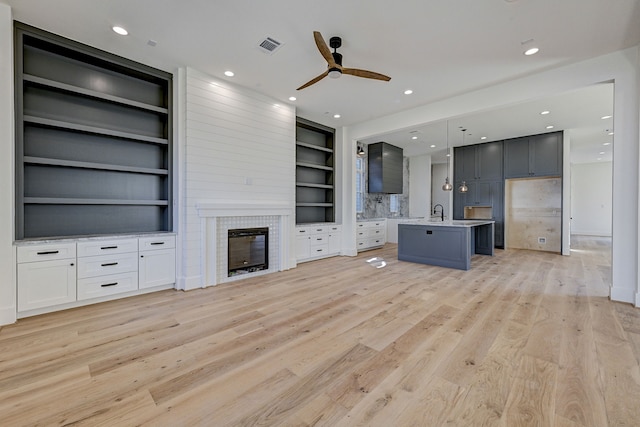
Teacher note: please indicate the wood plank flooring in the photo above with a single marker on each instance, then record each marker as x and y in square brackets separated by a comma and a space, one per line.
[524, 338]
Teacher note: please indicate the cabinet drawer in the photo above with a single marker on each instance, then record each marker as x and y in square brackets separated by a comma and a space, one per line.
[107, 264]
[375, 232]
[302, 231]
[107, 285]
[361, 233]
[103, 247]
[318, 239]
[319, 250]
[47, 252]
[155, 243]
[335, 228]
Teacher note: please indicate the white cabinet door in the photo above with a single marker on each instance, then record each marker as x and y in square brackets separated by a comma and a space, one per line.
[156, 268]
[303, 247]
[46, 283]
[335, 242]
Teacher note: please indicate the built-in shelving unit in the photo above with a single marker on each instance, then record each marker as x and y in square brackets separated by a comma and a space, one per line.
[314, 172]
[93, 140]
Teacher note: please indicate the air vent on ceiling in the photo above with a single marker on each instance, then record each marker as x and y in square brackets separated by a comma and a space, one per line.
[269, 45]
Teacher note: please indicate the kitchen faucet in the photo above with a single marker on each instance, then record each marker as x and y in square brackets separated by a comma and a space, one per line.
[435, 211]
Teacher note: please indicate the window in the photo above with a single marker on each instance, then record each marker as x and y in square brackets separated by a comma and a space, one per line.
[360, 184]
[393, 203]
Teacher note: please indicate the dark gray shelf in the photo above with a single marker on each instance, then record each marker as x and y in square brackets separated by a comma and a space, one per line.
[312, 185]
[88, 165]
[92, 93]
[314, 147]
[70, 201]
[324, 205]
[92, 129]
[314, 166]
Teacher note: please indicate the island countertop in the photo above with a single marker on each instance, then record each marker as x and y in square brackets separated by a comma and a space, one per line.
[456, 223]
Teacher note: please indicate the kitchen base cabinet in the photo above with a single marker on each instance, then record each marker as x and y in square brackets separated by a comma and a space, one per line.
[156, 261]
[371, 234]
[46, 283]
[318, 241]
[57, 276]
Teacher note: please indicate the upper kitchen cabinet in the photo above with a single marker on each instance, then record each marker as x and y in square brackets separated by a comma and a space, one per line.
[314, 172]
[533, 156]
[385, 168]
[478, 162]
[93, 140]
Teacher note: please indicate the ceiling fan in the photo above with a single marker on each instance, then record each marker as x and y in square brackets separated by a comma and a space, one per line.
[334, 63]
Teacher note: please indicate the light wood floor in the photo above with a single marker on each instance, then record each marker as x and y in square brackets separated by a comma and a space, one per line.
[523, 338]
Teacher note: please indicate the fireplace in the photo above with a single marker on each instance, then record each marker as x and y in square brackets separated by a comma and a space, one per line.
[248, 250]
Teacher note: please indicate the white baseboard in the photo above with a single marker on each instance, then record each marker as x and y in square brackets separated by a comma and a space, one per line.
[8, 315]
[624, 295]
[637, 304]
[591, 233]
[189, 283]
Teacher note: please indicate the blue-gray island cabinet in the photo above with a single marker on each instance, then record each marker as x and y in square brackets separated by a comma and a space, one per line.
[445, 244]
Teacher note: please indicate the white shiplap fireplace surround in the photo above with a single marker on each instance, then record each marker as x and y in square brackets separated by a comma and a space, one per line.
[219, 216]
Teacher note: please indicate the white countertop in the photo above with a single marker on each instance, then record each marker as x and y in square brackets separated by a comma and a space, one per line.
[454, 223]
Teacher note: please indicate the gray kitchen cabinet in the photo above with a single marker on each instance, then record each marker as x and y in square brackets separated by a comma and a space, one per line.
[314, 172]
[533, 156]
[478, 162]
[93, 140]
[482, 193]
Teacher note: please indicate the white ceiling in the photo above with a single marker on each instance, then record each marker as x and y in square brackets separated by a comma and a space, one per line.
[437, 48]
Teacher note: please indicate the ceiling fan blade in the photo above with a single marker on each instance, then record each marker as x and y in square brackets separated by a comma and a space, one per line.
[314, 80]
[366, 74]
[324, 49]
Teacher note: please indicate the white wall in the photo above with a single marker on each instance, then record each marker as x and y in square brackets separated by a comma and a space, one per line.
[238, 145]
[591, 208]
[622, 68]
[7, 251]
[419, 186]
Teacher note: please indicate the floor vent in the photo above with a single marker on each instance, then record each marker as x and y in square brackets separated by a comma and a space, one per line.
[269, 45]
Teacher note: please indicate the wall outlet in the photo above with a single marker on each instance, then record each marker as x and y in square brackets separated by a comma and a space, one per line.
[542, 240]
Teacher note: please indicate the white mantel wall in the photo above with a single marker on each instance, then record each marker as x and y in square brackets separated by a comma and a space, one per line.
[7, 252]
[621, 67]
[236, 145]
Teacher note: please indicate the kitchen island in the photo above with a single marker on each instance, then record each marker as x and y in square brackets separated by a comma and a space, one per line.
[445, 244]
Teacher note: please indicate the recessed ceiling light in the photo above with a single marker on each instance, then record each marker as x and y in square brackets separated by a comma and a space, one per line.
[292, 98]
[229, 73]
[601, 153]
[544, 112]
[605, 117]
[610, 133]
[599, 158]
[531, 51]
[483, 138]
[408, 92]
[606, 143]
[448, 155]
[336, 116]
[414, 137]
[550, 127]
[120, 30]
[432, 146]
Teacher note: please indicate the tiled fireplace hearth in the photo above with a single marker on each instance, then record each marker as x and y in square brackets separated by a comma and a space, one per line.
[218, 217]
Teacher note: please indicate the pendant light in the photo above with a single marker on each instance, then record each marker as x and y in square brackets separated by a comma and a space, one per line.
[463, 188]
[447, 185]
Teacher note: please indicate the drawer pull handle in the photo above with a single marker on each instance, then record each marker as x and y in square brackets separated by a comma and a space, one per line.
[157, 243]
[319, 239]
[109, 247]
[302, 231]
[109, 264]
[48, 252]
[108, 284]
[318, 250]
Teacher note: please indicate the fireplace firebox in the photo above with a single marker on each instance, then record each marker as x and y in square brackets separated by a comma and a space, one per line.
[248, 250]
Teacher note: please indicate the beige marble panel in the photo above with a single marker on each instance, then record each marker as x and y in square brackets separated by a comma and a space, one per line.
[533, 214]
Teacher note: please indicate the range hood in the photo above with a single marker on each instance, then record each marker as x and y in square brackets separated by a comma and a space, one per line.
[385, 168]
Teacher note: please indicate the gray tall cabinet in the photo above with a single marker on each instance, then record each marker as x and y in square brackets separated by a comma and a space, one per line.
[93, 140]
